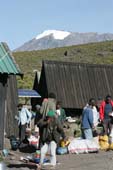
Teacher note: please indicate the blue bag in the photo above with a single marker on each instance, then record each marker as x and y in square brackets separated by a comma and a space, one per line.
[62, 150]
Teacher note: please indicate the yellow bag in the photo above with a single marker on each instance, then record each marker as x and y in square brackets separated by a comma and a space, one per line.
[103, 142]
[111, 146]
[64, 143]
[103, 138]
[104, 145]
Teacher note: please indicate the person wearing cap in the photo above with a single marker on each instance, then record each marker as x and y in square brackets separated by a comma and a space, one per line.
[34, 138]
[51, 131]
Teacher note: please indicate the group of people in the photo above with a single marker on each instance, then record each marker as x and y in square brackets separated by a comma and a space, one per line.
[92, 115]
[49, 118]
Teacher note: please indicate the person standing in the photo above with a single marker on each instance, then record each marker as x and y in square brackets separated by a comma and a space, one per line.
[87, 120]
[38, 116]
[60, 113]
[48, 104]
[23, 120]
[51, 130]
[106, 107]
[95, 114]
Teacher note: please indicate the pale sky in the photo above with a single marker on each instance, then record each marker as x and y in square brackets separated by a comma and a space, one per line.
[22, 20]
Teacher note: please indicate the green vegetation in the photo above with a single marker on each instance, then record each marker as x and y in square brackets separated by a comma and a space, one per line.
[1, 158]
[98, 53]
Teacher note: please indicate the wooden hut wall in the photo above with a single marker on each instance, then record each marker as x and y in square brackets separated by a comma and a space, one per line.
[75, 83]
[11, 126]
[3, 87]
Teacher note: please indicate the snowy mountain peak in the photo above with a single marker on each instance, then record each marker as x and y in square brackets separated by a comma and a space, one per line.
[59, 35]
[61, 39]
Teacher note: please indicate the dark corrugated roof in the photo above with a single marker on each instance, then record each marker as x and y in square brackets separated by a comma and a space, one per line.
[75, 83]
[7, 62]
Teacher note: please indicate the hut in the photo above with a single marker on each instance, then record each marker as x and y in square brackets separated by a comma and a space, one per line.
[8, 93]
[75, 83]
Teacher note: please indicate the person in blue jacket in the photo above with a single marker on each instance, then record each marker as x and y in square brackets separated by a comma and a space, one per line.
[87, 120]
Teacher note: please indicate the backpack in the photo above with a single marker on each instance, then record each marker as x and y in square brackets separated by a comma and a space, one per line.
[14, 143]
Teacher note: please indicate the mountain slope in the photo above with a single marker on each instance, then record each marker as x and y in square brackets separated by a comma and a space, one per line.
[29, 61]
[55, 38]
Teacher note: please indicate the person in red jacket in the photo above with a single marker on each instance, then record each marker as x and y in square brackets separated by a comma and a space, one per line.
[106, 107]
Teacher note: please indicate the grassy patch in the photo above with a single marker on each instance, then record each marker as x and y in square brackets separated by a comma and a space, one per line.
[28, 61]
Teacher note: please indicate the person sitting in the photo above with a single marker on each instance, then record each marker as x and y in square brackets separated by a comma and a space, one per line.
[34, 138]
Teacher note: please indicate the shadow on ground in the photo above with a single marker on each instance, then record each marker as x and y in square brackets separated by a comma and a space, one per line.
[22, 166]
[27, 149]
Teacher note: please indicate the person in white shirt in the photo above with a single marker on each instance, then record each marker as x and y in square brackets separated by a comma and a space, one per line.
[23, 119]
[95, 116]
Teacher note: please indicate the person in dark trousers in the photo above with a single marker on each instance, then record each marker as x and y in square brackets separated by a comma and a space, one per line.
[23, 119]
[106, 107]
[51, 131]
[60, 113]
[38, 116]
[87, 120]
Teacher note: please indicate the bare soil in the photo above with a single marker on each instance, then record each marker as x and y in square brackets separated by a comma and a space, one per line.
[93, 161]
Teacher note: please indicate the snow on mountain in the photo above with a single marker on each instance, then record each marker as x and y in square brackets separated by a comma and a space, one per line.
[55, 38]
[58, 35]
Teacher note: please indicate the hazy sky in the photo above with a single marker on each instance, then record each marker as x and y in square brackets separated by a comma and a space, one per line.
[22, 20]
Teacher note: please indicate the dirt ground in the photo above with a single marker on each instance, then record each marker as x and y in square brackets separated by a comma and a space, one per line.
[94, 161]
